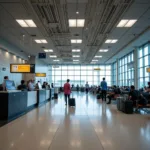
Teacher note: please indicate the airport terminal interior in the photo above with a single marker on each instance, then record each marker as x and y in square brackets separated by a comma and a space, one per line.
[74, 74]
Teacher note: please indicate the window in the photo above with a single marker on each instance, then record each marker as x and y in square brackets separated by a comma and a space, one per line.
[126, 70]
[80, 74]
[143, 64]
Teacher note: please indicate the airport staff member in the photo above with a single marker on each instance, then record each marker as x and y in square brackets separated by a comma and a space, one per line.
[104, 89]
[31, 85]
[67, 90]
[4, 85]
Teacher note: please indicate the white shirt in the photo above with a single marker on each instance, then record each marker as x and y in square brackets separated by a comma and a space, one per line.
[31, 86]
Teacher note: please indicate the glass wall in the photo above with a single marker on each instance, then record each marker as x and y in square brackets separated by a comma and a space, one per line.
[126, 70]
[79, 74]
[143, 63]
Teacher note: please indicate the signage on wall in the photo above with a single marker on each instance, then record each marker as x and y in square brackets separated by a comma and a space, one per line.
[40, 74]
[22, 68]
[148, 69]
[97, 69]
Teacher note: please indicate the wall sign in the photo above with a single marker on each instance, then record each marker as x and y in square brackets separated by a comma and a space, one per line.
[40, 74]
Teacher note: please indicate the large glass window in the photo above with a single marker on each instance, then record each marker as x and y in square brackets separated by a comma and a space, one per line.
[143, 64]
[80, 74]
[126, 70]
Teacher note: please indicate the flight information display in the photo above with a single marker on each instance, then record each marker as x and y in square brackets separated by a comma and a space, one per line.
[22, 68]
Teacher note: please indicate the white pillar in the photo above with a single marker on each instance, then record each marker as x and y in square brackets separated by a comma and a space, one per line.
[135, 54]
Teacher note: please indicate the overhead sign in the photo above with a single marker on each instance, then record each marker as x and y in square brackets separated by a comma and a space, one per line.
[56, 66]
[40, 74]
[97, 69]
[22, 68]
[148, 69]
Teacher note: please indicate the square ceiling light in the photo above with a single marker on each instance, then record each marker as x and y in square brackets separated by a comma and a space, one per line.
[76, 22]
[103, 50]
[98, 56]
[94, 60]
[48, 50]
[111, 41]
[75, 50]
[76, 56]
[56, 60]
[41, 41]
[127, 23]
[76, 41]
[53, 56]
[26, 23]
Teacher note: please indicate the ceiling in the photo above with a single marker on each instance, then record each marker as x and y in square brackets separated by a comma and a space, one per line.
[51, 17]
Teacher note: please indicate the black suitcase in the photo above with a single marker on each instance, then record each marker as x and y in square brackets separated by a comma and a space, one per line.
[127, 106]
[55, 96]
[72, 102]
[98, 96]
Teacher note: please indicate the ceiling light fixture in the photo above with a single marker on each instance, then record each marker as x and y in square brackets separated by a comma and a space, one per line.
[98, 56]
[111, 41]
[53, 56]
[76, 22]
[77, 12]
[75, 60]
[103, 50]
[76, 56]
[76, 41]
[26, 23]
[56, 60]
[127, 23]
[75, 50]
[48, 50]
[94, 60]
[41, 41]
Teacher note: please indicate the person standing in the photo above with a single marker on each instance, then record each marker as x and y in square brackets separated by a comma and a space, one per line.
[104, 89]
[67, 90]
[87, 87]
[4, 84]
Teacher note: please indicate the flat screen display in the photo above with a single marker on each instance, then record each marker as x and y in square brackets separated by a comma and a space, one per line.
[42, 55]
[10, 85]
[22, 68]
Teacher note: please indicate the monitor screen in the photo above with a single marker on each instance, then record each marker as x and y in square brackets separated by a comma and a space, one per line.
[10, 85]
[42, 55]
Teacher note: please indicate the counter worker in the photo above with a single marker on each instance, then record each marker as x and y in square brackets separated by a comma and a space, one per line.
[4, 84]
[31, 85]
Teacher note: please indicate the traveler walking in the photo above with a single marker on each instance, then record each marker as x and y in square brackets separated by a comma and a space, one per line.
[67, 90]
[104, 89]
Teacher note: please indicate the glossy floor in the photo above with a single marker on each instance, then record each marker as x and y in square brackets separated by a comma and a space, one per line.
[92, 125]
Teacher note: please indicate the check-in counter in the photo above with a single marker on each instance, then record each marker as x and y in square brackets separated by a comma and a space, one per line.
[31, 98]
[41, 96]
[12, 104]
[47, 94]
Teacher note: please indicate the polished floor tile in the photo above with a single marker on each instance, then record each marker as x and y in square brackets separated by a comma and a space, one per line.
[92, 125]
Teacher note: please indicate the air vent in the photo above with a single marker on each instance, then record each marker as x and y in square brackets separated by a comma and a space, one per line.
[76, 34]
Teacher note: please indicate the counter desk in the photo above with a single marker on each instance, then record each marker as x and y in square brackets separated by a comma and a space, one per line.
[12, 104]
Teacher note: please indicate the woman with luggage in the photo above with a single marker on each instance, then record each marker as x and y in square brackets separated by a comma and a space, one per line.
[67, 91]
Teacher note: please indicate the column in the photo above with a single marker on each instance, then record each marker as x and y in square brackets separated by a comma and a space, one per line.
[117, 72]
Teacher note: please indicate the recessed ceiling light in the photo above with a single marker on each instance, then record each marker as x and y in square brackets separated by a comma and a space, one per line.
[98, 56]
[76, 22]
[41, 41]
[53, 56]
[76, 56]
[75, 50]
[48, 50]
[26, 23]
[126, 23]
[30, 23]
[94, 60]
[77, 12]
[103, 50]
[76, 41]
[111, 41]
[80, 22]
[75, 60]
[56, 60]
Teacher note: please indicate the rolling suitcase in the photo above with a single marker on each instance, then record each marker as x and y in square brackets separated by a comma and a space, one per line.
[98, 96]
[127, 106]
[72, 102]
[55, 96]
